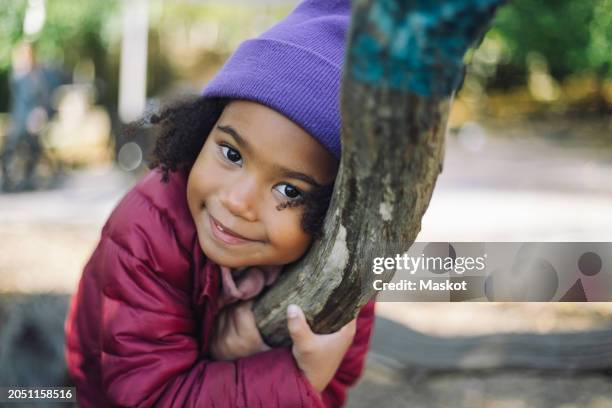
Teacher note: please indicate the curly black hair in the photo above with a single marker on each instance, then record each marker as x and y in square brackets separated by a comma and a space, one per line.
[182, 128]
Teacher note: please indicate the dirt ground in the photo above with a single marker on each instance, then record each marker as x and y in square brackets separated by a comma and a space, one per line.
[388, 387]
[490, 190]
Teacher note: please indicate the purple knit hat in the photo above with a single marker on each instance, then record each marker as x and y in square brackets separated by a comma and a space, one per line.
[295, 68]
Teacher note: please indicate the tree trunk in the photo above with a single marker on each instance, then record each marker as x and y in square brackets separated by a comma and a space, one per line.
[404, 62]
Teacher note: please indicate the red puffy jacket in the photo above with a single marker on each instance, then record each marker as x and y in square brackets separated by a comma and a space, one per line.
[139, 326]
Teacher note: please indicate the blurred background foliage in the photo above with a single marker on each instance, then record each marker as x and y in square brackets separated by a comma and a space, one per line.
[547, 55]
[541, 56]
[184, 38]
[571, 36]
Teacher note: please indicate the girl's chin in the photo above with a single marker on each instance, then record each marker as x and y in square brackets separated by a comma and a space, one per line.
[226, 257]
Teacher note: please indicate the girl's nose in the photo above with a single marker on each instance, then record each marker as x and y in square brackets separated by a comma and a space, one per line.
[240, 198]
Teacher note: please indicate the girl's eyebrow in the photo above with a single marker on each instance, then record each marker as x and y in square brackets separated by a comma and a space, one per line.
[241, 141]
[297, 175]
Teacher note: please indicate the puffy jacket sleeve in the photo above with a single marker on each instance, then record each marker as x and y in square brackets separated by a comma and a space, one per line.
[334, 395]
[150, 354]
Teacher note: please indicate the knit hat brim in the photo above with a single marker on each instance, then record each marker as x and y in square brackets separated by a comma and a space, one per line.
[299, 72]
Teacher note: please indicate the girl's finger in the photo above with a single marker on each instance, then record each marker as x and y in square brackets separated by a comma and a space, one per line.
[245, 321]
[345, 335]
[350, 328]
[231, 330]
[298, 327]
[247, 326]
[221, 322]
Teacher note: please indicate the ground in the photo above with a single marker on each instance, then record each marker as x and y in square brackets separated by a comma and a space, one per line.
[491, 189]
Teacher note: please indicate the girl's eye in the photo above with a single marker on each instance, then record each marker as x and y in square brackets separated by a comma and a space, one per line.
[231, 154]
[288, 191]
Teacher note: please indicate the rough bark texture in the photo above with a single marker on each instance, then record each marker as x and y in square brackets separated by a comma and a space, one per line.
[404, 61]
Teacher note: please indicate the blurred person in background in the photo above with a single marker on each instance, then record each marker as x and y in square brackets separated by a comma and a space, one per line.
[31, 88]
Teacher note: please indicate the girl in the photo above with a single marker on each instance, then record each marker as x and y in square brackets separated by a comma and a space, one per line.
[241, 181]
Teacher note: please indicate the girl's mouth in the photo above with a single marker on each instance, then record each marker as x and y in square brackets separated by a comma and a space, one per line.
[225, 234]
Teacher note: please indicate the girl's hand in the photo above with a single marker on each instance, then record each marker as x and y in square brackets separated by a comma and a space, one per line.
[236, 334]
[318, 355]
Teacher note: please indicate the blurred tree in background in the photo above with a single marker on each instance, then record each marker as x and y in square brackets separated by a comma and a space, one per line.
[546, 44]
[558, 30]
[535, 44]
[599, 51]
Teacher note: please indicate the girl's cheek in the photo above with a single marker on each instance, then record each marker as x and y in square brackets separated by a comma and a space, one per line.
[286, 234]
[204, 180]
[210, 167]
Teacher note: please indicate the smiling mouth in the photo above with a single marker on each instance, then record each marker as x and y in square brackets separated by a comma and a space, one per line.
[225, 234]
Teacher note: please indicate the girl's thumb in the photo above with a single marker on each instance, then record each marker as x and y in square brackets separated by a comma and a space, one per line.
[295, 323]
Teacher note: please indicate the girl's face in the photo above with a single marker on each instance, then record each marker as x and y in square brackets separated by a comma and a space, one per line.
[254, 160]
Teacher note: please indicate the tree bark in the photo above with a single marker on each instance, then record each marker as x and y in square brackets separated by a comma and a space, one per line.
[403, 63]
